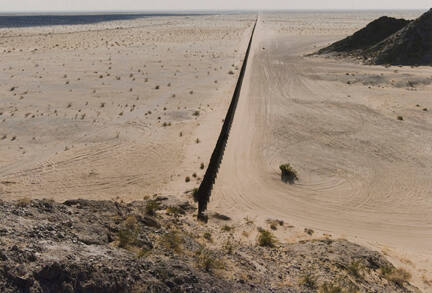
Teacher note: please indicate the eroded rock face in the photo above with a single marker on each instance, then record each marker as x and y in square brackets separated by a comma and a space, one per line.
[389, 41]
[74, 247]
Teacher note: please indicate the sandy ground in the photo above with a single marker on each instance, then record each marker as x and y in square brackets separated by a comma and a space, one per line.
[80, 118]
[114, 110]
[364, 174]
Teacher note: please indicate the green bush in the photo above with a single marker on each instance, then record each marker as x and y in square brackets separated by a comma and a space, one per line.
[288, 173]
[266, 238]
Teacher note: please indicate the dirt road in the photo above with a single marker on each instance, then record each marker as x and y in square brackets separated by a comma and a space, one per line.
[363, 173]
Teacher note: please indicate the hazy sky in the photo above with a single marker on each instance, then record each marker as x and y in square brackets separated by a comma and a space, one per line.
[75, 5]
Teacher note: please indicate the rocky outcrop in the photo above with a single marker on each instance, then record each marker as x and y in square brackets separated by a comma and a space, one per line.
[155, 246]
[412, 45]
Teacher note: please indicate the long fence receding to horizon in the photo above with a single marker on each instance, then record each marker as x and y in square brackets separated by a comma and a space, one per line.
[202, 195]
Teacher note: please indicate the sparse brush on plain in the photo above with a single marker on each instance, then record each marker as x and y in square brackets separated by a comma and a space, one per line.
[196, 113]
[266, 238]
[400, 118]
[202, 166]
[288, 173]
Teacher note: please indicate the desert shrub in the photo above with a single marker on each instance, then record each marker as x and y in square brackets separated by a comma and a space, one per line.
[173, 210]
[266, 238]
[228, 247]
[23, 202]
[308, 281]
[196, 113]
[207, 261]
[202, 166]
[288, 173]
[126, 237]
[392, 274]
[354, 269]
[400, 118]
[187, 179]
[308, 231]
[130, 222]
[207, 236]
[226, 228]
[151, 207]
[144, 252]
[330, 288]
[172, 240]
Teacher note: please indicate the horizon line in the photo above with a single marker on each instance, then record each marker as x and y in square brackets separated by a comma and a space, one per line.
[209, 10]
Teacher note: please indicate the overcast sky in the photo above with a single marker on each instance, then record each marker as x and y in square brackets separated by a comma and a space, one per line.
[104, 5]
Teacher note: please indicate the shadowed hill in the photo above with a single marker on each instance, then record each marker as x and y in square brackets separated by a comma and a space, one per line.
[412, 45]
[373, 33]
[389, 41]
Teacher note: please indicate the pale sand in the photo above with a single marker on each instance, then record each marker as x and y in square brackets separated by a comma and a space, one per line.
[364, 175]
[80, 109]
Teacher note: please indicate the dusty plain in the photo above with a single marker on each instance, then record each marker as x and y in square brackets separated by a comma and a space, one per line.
[114, 111]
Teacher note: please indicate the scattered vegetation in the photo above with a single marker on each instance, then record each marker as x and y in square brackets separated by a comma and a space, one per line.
[392, 274]
[400, 118]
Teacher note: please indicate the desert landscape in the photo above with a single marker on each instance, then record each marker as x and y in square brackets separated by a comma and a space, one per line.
[115, 122]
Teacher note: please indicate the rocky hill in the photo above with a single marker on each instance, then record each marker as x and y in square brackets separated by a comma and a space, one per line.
[389, 41]
[373, 33]
[156, 245]
[412, 45]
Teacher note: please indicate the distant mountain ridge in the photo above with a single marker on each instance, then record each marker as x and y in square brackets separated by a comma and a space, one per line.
[389, 41]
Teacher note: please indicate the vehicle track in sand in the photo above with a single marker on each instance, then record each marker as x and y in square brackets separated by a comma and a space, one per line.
[362, 172]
